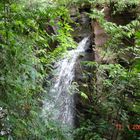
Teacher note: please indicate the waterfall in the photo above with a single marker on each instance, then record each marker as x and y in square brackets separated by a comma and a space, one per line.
[59, 105]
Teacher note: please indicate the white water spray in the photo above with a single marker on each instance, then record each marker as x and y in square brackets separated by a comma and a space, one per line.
[59, 105]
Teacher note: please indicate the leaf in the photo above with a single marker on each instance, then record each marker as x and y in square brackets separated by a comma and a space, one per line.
[84, 95]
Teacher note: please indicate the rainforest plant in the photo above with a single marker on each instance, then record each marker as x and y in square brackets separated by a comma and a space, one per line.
[26, 56]
[112, 109]
[33, 35]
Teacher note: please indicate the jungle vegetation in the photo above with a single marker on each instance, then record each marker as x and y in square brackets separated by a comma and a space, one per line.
[35, 33]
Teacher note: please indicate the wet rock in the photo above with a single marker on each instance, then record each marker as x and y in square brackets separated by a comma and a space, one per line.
[82, 26]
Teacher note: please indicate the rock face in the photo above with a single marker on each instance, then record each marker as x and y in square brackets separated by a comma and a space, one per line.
[82, 28]
[99, 35]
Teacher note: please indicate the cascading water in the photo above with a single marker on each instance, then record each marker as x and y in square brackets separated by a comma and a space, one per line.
[59, 105]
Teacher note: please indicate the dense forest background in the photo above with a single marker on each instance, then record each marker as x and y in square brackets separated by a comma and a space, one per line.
[34, 34]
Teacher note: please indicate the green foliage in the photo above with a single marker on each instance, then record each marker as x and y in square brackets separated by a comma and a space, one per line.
[21, 72]
[115, 98]
[33, 34]
[26, 55]
[119, 5]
